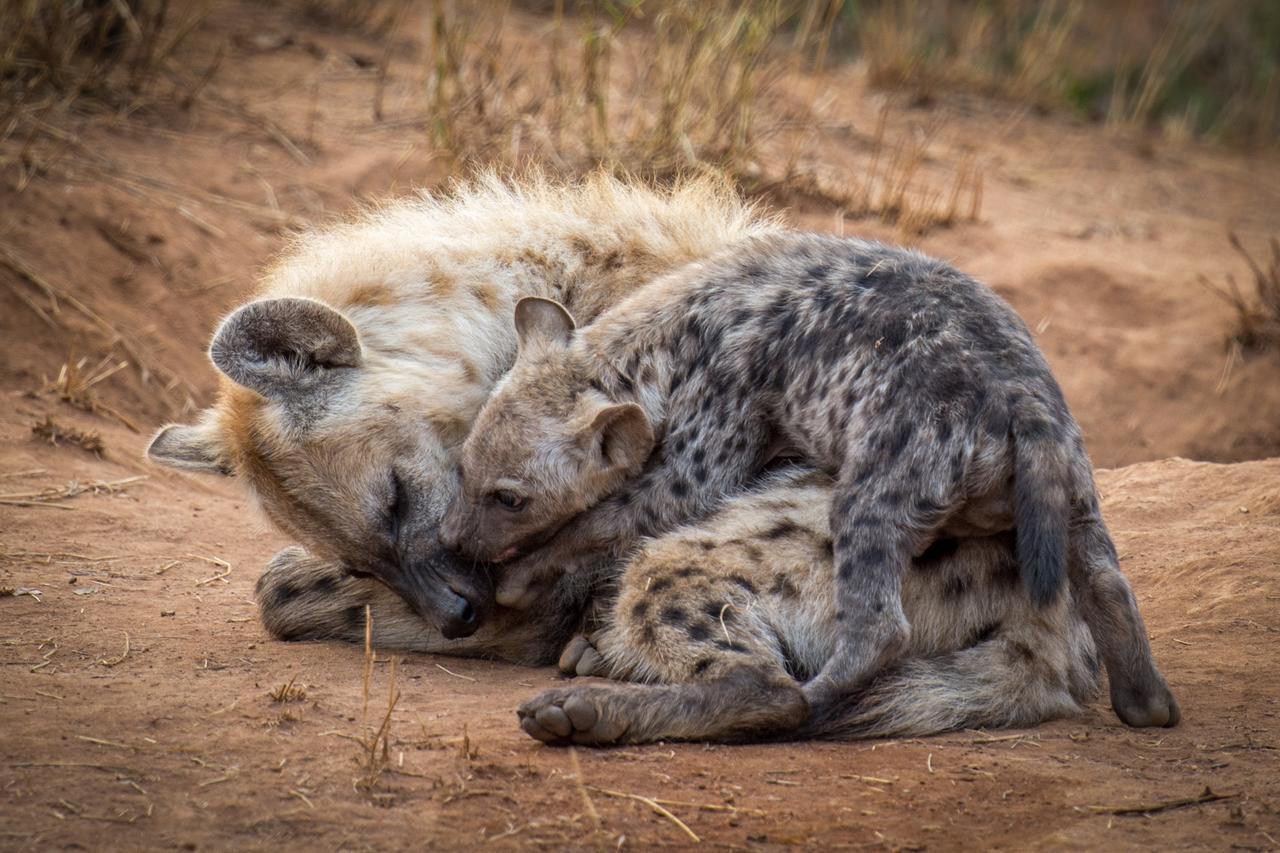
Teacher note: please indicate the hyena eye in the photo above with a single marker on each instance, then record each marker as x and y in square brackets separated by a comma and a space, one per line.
[507, 500]
[395, 507]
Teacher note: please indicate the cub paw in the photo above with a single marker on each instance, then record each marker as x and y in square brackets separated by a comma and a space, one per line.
[580, 658]
[577, 715]
[1150, 708]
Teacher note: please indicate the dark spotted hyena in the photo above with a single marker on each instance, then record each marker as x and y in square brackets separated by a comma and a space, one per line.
[916, 387]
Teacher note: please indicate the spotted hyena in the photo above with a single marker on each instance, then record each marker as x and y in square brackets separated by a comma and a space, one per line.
[914, 386]
[348, 384]
[712, 629]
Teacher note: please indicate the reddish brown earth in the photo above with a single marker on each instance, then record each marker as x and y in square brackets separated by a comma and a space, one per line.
[156, 224]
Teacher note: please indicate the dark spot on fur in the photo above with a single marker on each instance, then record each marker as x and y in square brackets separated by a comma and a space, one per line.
[648, 635]
[688, 572]
[323, 585]
[285, 593]
[781, 529]
[783, 586]
[733, 646]
[744, 583]
[640, 609]
[698, 632]
[701, 665]
[983, 634]
[354, 617]
[937, 552]
[674, 616]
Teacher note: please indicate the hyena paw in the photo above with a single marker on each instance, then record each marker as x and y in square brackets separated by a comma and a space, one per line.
[580, 658]
[1151, 705]
[573, 715]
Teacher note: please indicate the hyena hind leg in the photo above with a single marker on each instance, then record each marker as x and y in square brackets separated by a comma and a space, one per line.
[1139, 693]
[301, 597]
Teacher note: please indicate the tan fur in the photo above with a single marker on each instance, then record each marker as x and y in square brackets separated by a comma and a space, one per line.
[429, 286]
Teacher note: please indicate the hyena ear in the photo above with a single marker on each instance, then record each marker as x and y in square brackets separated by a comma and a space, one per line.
[621, 437]
[280, 347]
[541, 320]
[193, 448]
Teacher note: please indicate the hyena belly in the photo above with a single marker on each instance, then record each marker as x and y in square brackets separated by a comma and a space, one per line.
[717, 626]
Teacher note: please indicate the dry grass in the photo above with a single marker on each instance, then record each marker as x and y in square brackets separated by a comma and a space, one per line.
[54, 433]
[61, 54]
[290, 691]
[1257, 314]
[654, 88]
[1209, 67]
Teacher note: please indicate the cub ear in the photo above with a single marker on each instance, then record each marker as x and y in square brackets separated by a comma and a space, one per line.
[192, 448]
[541, 320]
[621, 436]
[278, 347]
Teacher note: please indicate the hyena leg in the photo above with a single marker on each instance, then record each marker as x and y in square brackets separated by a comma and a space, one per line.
[880, 514]
[301, 597]
[721, 668]
[1139, 694]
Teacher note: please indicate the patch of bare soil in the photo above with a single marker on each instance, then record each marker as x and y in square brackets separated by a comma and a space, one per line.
[136, 705]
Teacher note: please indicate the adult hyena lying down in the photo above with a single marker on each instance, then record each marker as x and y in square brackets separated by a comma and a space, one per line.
[716, 626]
[349, 383]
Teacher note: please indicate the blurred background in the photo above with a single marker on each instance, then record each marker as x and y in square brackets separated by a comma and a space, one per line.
[1110, 167]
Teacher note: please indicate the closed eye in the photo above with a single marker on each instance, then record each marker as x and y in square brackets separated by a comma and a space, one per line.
[508, 499]
[395, 507]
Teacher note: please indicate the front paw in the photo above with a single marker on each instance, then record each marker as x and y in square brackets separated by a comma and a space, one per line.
[580, 658]
[571, 715]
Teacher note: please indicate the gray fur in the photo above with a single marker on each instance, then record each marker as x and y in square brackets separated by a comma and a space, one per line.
[915, 387]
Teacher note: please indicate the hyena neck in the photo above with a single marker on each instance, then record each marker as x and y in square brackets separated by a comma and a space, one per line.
[628, 373]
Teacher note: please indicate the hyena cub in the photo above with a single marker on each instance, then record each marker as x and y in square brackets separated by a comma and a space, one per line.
[916, 387]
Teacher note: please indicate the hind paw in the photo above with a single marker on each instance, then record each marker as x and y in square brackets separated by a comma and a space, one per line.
[1147, 708]
[573, 715]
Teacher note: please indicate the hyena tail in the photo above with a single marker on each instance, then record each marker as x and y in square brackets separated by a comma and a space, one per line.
[998, 683]
[1041, 508]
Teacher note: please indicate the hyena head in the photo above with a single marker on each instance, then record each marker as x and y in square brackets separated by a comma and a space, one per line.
[351, 449]
[546, 446]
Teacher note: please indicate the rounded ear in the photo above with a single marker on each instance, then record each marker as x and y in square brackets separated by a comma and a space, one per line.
[280, 346]
[622, 437]
[192, 448]
[541, 320]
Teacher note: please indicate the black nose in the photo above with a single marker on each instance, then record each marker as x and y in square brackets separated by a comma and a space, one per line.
[461, 618]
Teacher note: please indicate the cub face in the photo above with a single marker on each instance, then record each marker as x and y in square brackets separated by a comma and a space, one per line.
[342, 448]
[545, 447]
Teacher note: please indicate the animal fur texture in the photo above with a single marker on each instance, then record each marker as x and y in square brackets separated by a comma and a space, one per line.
[915, 387]
[352, 448]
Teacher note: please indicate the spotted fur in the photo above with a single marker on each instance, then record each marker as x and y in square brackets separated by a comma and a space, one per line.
[915, 387]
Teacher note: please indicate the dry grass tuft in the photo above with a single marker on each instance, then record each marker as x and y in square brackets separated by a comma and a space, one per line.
[289, 692]
[375, 743]
[75, 386]
[61, 54]
[54, 432]
[1210, 67]
[1257, 315]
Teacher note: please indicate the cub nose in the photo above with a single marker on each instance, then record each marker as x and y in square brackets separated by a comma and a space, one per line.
[461, 618]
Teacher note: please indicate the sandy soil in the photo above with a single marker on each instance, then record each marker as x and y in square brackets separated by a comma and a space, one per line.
[149, 228]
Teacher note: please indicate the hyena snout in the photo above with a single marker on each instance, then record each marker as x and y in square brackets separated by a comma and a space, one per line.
[454, 596]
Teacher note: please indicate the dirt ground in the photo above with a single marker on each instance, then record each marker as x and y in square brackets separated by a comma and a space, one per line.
[135, 706]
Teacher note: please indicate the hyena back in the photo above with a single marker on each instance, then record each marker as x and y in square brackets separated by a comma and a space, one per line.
[914, 386]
